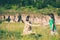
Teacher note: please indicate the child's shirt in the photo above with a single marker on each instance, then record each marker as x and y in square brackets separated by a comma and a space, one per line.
[27, 26]
[51, 21]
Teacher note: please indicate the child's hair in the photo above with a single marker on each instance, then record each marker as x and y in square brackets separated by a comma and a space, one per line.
[27, 18]
[52, 16]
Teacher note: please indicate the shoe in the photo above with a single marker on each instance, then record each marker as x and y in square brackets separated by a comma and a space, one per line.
[52, 33]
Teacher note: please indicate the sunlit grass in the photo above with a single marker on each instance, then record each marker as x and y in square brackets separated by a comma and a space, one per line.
[13, 31]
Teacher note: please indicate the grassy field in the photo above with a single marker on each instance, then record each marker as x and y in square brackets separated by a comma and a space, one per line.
[13, 31]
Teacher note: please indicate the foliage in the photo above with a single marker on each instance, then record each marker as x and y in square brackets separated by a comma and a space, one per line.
[29, 6]
[0, 21]
[35, 3]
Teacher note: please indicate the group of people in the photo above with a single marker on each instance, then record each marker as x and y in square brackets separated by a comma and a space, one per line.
[28, 29]
[10, 18]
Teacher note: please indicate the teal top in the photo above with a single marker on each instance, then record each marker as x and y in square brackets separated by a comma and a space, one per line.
[51, 23]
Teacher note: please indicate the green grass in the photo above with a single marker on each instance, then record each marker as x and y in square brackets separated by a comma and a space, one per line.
[29, 10]
[13, 31]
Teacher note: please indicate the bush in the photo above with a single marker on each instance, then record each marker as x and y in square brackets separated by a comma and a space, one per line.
[0, 21]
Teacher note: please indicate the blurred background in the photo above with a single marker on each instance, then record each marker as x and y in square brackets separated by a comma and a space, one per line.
[29, 6]
[13, 14]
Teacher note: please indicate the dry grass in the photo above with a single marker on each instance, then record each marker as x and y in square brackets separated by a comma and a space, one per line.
[13, 31]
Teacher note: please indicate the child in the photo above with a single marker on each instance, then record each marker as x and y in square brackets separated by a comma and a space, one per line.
[27, 28]
[52, 24]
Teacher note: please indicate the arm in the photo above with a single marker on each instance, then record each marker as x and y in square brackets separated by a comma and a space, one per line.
[36, 25]
[32, 24]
